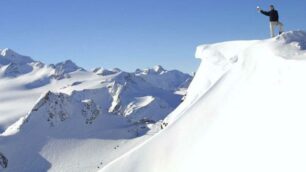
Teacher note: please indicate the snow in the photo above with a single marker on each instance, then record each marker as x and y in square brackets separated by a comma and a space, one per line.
[159, 77]
[105, 72]
[62, 70]
[244, 111]
[64, 118]
[9, 56]
[20, 92]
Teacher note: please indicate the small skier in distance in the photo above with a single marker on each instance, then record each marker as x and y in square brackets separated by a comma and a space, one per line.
[274, 20]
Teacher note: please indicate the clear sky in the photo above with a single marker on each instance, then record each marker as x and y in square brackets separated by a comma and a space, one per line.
[131, 34]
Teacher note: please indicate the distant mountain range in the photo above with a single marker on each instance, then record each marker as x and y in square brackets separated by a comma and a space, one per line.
[42, 104]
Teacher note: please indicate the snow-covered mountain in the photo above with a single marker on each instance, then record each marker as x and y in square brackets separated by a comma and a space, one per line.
[8, 56]
[13, 64]
[244, 111]
[53, 116]
[104, 72]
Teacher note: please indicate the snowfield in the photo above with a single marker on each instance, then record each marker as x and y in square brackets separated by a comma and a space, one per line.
[63, 118]
[244, 111]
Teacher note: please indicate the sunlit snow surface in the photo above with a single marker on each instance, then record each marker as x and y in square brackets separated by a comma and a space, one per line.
[244, 111]
[63, 118]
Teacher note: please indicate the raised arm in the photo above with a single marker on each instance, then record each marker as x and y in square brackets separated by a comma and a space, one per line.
[266, 13]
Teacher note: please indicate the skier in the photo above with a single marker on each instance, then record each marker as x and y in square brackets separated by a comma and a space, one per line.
[274, 20]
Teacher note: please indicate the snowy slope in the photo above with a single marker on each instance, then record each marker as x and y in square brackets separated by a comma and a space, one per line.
[64, 118]
[244, 111]
[23, 80]
[9, 56]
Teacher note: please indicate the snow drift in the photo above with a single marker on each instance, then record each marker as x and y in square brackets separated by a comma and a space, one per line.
[244, 111]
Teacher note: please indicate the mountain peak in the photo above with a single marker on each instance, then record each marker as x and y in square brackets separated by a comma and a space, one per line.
[8, 52]
[67, 65]
[158, 69]
[9, 56]
[63, 69]
[104, 72]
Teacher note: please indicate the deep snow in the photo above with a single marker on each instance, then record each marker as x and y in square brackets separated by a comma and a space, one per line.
[244, 111]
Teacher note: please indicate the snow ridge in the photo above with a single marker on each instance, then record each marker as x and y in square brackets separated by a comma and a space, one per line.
[238, 114]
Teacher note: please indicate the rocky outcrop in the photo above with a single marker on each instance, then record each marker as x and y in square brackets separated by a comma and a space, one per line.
[3, 161]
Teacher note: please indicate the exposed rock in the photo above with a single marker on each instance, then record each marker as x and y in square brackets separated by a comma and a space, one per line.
[3, 161]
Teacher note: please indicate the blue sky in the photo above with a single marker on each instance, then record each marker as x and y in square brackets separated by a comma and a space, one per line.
[132, 34]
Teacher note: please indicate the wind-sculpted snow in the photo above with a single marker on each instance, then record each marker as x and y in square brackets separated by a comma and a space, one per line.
[244, 111]
[295, 37]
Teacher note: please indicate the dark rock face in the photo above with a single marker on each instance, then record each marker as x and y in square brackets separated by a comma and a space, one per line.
[3, 161]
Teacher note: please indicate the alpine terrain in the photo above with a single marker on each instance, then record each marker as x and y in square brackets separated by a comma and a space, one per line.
[244, 111]
[64, 118]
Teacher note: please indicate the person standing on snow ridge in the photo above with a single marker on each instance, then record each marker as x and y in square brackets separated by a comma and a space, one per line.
[274, 20]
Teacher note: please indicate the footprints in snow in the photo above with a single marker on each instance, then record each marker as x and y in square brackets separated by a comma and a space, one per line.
[116, 147]
[101, 163]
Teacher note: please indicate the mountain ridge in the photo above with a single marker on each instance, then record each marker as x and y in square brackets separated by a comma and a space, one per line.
[243, 112]
[54, 104]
